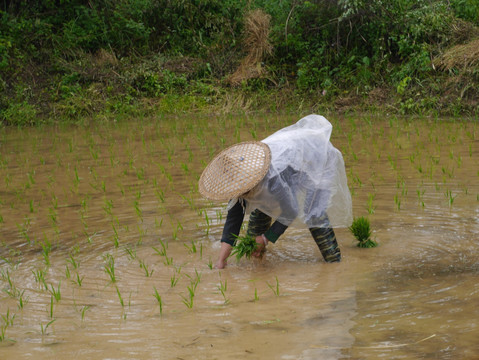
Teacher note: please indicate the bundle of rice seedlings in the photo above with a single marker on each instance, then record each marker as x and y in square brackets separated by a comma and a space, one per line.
[361, 230]
[245, 246]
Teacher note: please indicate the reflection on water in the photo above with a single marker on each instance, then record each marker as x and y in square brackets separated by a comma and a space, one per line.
[106, 248]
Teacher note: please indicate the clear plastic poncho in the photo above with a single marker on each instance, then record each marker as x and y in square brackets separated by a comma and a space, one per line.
[306, 183]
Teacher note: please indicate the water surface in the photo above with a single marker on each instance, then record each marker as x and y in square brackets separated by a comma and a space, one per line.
[76, 203]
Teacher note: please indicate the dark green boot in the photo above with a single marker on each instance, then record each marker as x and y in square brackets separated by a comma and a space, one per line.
[326, 241]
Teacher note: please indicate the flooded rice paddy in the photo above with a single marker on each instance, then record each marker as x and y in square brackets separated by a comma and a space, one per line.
[107, 248]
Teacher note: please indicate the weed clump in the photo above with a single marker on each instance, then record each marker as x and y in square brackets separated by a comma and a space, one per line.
[361, 230]
[245, 246]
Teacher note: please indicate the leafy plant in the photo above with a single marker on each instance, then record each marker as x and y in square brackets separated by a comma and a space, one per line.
[244, 246]
[361, 230]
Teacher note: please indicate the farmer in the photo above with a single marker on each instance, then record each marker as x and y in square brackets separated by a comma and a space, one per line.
[295, 176]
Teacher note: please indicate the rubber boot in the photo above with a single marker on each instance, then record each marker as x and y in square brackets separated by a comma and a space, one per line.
[326, 241]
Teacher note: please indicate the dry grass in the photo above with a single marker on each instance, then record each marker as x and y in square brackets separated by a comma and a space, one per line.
[104, 57]
[463, 31]
[463, 57]
[256, 43]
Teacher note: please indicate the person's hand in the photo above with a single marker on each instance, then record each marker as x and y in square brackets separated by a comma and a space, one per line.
[220, 264]
[261, 248]
[225, 251]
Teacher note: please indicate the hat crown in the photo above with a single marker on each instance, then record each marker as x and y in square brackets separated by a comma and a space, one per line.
[235, 170]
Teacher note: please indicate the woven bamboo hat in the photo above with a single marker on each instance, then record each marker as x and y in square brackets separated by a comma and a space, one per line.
[235, 171]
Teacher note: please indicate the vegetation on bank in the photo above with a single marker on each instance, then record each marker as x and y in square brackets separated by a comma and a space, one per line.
[72, 60]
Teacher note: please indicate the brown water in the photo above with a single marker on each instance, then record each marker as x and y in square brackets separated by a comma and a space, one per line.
[72, 199]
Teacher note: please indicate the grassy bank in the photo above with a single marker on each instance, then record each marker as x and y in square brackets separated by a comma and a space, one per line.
[76, 62]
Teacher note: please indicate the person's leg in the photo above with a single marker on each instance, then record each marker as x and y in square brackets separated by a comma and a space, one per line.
[258, 223]
[326, 241]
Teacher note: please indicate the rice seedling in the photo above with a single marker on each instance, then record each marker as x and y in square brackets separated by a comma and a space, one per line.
[162, 251]
[8, 318]
[256, 297]
[131, 252]
[138, 211]
[397, 201]
[450, 197]
[47, 325]
[3, 333]
[109, 267]
[31, 178]
[144, 266]
[24, 230]
[174, 280]
[116, 238]
[223, 287]
[191, 249]
[122, 303]
[51, 307]
[83, 311]
[46, 250]
[244, 246]
[56, 292]
[274, 288]
[210, 262]
[371, 207]
[159, 300]
[67, 272]
[108, 206]
[71, 259]
[189, 299]
[21, 300]
[361, 229]
[39, 276]
[32, 207]
[11, 290]
[79, 280]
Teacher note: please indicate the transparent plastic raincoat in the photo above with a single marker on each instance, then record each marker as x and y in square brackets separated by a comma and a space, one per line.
[306, 183]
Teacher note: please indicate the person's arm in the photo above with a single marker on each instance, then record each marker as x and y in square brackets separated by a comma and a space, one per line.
[286, 200]
[231, 230]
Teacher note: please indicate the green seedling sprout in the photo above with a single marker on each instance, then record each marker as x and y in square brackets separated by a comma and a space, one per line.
[8, 319]
[109, 267]
[83, 311]
[22, 301]
[131, 252]
[56, 292]
[188, 301]
[191, 249]
[223, 287]
[144, 266]
[44, 328]
[158, 299]
[67, 272]
[39, 276]
[245, 246]
[275, 289]
[79, 280]
[51, 307]
[361, 230]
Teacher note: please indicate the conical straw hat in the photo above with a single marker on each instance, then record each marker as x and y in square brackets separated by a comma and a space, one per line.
[235, 171]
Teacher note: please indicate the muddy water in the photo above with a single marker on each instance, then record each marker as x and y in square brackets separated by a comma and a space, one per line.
[104, 241]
